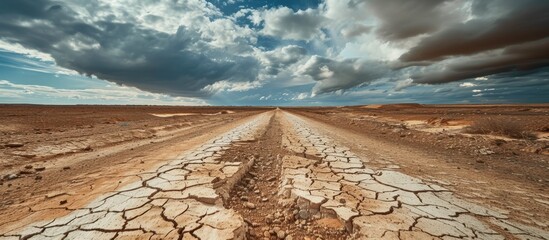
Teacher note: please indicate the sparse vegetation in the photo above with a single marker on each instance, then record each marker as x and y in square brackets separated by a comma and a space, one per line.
[500, 126]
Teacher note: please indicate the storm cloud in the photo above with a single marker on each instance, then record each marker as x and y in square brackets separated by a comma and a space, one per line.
[520, 59]
[180, 64]
[212, 49]
[522, 21]
[503, 36]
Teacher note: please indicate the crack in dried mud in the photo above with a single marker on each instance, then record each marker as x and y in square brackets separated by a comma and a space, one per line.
[273, 177]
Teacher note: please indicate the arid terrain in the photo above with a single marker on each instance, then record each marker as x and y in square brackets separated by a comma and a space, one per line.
[399, 171]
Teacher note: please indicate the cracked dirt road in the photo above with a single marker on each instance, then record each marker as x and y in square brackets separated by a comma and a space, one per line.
[273, 176]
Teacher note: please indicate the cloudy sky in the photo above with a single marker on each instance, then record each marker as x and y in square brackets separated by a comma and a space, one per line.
[273, 52]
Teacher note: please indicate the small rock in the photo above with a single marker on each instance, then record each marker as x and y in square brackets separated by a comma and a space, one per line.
[280, 234]
[485, 151]
[39, 169]
[249, 205]
[264, 199]
[256, 191]
[11, 176]
[303, 214]
[25, 172]
[66, 168]
[244, 198]
[342, 200]
[38, 177]
[269, 219]
[62, 202]
[14, 144]
[28, 167]
[272, 178]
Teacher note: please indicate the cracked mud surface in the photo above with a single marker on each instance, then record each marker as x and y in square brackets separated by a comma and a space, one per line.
[177, 200]
[273, 176]
[383, 204]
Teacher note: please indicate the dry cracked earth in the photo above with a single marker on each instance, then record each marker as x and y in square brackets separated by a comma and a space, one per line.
[271, 175]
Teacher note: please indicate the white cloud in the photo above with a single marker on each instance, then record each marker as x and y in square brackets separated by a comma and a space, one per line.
[30, 63]
[481, 78]
[280, 59]
[17, 48]
[334, 75]
[345, 10]
[467, 84]
[301, 96]
[264, 98]
[231, 86]
[285, 23]
[483, 90]
[404, 84]
[111, 94]
[355, 30]
[367, 46]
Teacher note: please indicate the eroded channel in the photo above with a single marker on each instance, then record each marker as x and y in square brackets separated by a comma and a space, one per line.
[257, 196]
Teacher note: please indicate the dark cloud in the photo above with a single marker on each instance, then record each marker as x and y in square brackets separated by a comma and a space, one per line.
[179, 64]
[519, 59]
[504, 36]
[520, 21]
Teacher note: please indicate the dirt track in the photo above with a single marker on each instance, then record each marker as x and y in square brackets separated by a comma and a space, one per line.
[271, 174]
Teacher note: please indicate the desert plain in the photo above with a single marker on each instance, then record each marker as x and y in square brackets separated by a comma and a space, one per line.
[396, 171]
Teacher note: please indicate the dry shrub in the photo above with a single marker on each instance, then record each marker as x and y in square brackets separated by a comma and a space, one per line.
[503, 127]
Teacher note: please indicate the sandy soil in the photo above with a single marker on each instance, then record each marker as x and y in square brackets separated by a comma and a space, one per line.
[363, 172]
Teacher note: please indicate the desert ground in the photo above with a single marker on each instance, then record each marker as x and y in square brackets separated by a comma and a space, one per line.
[397, 171]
